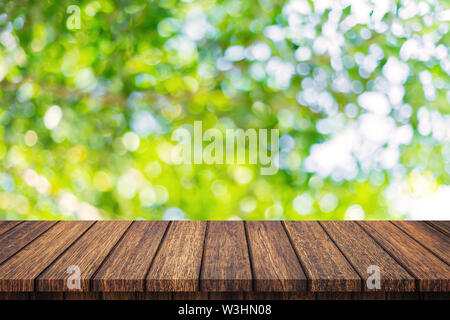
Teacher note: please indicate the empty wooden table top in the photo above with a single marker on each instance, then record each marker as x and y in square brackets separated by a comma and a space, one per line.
[224, 256]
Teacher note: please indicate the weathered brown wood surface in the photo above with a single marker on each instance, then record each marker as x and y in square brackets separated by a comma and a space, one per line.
[177, 264]
[218, 259]
[226, 263]
[363, 252]
[325, 266]
[430, 272]
[126, 267]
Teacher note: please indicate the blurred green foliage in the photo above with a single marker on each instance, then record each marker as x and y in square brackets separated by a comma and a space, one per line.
[359, 91]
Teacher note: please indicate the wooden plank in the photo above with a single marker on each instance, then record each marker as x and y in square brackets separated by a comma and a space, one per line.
[325, 266]
[190, 295]
[17, 238]
[219, 259]
[87, 254]
[436, 296]
[427, 236]
[372, 295]
[153, 296]
[82, 295]
[176, 266]
[362, 251]
[226, 295]
[14, 296]
[334, 295]
[442, 226]
[226, 263]
[7, 225]
[126, 267]
[47, 296]
[119, 295]
[275, 265]
[402, 295]
[431, 273]
[19, 272]
[280, 295]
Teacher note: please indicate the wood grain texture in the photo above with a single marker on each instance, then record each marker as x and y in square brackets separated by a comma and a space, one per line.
[324, 265]
[442, 226]
[190, 295]
[376, 295]
[176, 266]
[119, 295]
[14, 296]
[7, 225]
[217, 259]
[47, 296]
[362, 251]
[153, 295]
[430, 238]
[402, 295]
[280, 295]
[435, 296]
[17, 238]
[19, 272]
[87, 253]
[430, 272]
[334, 295]
[226, 295]
[73, 295]
[275, 265]
[127, 265]
[226, 263]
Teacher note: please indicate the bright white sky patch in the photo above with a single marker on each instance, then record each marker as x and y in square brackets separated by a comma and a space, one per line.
[418, 198]
[375, 102]
[303, 54]
[395, 70]
[354, 212]
[52, 117]
[259, 51]
[275, 33]
[174, 214]
[303, 204]
[235, 53]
